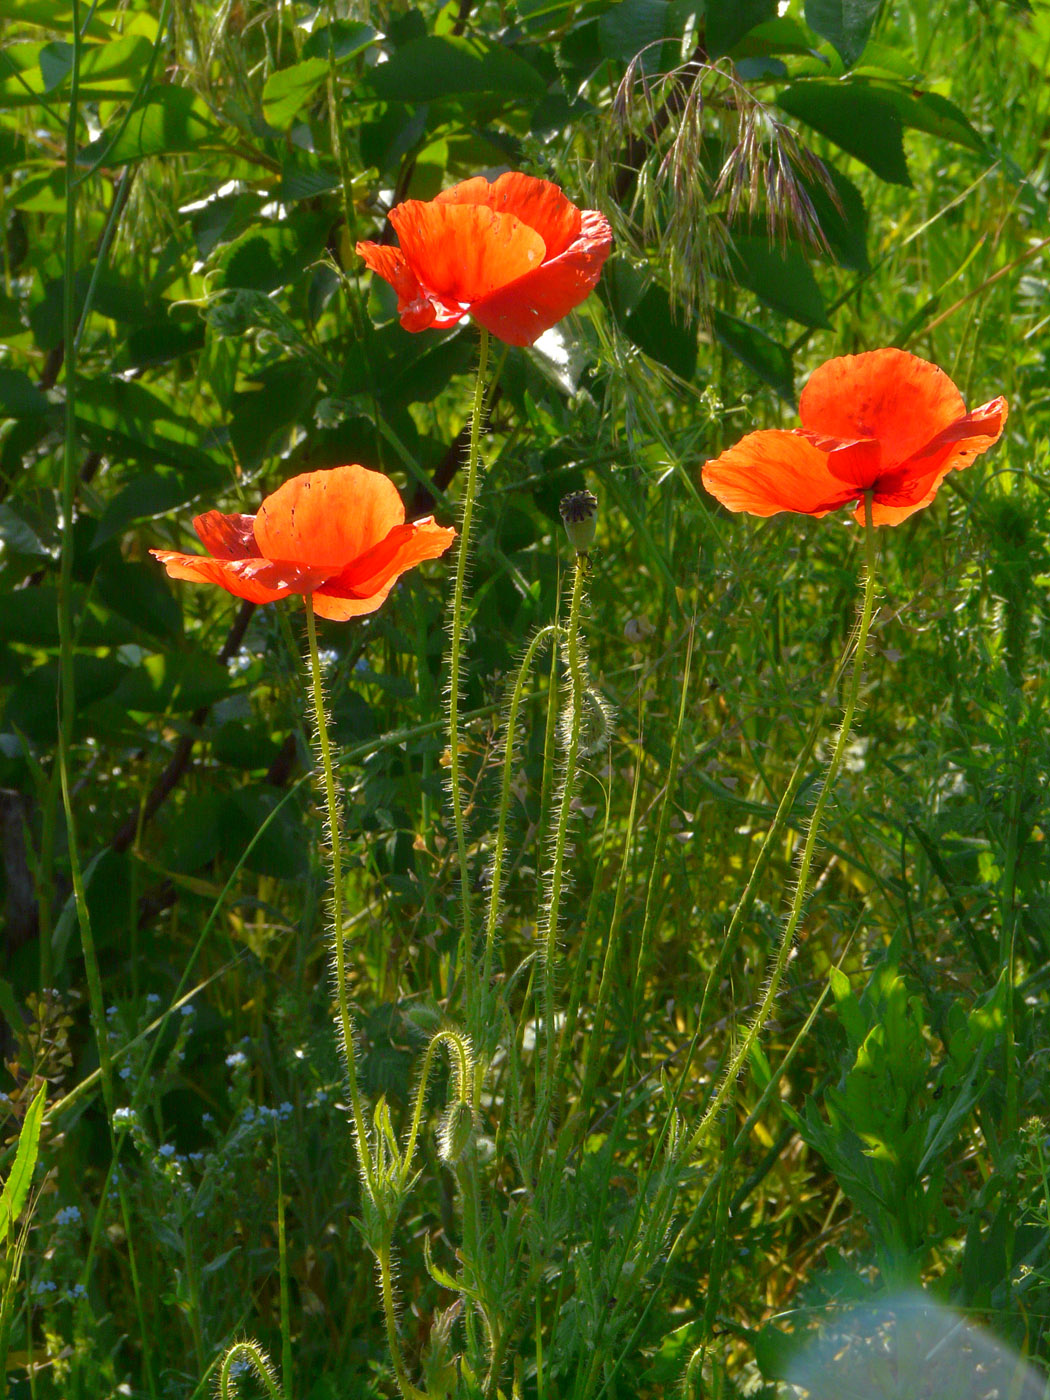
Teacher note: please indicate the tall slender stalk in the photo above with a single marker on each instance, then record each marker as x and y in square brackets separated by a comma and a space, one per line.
[346, 1032]
[798, 901]
[565, 797]
[466, 946]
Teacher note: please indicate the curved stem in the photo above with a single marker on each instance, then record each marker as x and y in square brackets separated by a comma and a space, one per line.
[346, 1033]
[568, 791]
[455, 664]
[258, 1360]
[812, 833]
[461, 1063]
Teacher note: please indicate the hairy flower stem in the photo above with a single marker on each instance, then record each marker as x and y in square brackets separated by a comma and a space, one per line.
[565, 797]
[812, 833]
[346, 1034]
[499, 850]
[386, 1284]
[466, 946]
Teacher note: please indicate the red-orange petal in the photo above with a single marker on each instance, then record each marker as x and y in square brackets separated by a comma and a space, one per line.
[519, 314]
[887, 394]
[404, 548]
[227, 536]
[772, 471]
[464, 252]
[537, 203]
[415, 308]
[342, 609]
[952, 449]
[199, 568]
[327, 519]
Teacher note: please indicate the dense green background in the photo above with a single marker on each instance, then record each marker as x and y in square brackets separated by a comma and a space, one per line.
[836, 178]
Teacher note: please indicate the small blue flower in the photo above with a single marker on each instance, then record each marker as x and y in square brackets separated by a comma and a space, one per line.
[153, 999]
[78, 1291]
[166, 1149]
[68, 1215]
[235, 1059]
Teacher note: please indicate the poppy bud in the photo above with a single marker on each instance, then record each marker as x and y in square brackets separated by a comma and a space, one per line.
[579, 511]
[455, 1131]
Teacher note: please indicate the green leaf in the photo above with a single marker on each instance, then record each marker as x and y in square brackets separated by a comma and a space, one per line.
[781, 277]
[729, 20]
[31, 704]
[172, 681]
[19, 396]
[763, 355]
[643, 309]
[859, 119]
[264, 259]
[304, 176]
[16, 1187]
[931, 113]
[288, 91]
[846, 24]
[448, 66]
[153, 494]
[170, 120]
[29, 72]
[843, 220]
[342, 39]
[633, 25]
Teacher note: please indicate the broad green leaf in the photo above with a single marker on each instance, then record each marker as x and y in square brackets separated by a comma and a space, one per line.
[779, 276]
[18, 536]
[763, 355]
[345, 37]
[156, 493]
[729, 20]
[447, 66]
[16, 1187]
[843, 219]
[932, 113]
[170, 120]
[288, 91]
[29, 72]
[304, 176]
[630, 26]
[264, 259]
[31, 705]
[846, 24]
[172, 680]
[19, 396]
[861, 120]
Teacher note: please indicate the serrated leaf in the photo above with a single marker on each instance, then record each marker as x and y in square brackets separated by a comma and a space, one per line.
[728, 21]
[763, 355]
[170, 120]
[779, 276]
[448, 66]
[288, 91]
[16, 1187]
[858, 118]
[845, 24]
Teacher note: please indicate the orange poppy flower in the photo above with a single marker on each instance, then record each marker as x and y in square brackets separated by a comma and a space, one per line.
[339, 536]
[885, 422]
[516, 255]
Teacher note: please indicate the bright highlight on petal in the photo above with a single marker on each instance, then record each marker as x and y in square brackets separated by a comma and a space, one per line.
[885, 422]
[515, 254]
[339, 536]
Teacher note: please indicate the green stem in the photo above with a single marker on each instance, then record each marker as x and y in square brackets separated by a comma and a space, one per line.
[386, 1283]
[67, 680]
[812, 833]
[568, 791]
[496, 882]
[455, 665]
[346, 1033]
[459, 1054]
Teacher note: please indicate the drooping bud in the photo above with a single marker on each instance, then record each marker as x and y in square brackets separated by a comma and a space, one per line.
[579, 511]
[455, 1131]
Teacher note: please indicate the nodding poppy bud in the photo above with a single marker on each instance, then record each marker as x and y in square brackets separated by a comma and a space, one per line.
[456, 1131]
[579, 511]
